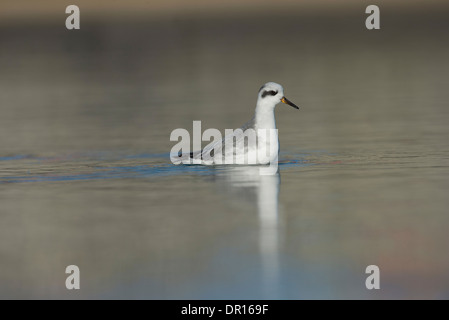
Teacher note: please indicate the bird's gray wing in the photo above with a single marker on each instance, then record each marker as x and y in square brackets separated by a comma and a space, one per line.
[216, 147]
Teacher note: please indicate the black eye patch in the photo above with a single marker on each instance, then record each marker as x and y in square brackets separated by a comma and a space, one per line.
[271, 93]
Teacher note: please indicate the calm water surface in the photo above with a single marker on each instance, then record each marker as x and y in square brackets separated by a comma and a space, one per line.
[85, 175]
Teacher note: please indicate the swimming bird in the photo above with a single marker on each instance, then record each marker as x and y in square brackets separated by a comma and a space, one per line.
[256, 142]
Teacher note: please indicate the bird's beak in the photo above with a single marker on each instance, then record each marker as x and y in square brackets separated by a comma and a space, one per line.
[286, 101]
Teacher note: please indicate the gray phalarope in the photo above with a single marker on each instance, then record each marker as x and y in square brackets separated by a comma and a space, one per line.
[264, 148]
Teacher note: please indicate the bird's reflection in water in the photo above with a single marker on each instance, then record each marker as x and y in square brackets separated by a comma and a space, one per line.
[246, 182]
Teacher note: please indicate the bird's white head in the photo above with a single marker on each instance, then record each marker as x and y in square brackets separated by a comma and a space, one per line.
[270, 94]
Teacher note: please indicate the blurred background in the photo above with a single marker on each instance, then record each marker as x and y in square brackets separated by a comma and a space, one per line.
[86, 179]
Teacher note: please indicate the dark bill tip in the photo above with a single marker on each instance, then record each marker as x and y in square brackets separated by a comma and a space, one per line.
[286, 101]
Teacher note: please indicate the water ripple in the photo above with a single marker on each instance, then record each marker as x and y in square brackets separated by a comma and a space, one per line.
[86, 167]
